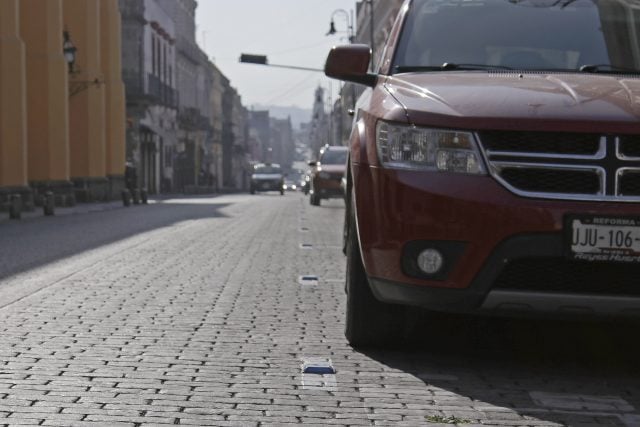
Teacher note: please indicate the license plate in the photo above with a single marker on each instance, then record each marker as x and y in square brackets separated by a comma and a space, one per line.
[603, 238]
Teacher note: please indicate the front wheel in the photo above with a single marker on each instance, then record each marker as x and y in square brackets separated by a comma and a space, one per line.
[369, 322]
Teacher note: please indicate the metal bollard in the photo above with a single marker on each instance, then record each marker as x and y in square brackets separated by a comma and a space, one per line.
[144, 196]
[126, 197]
[48, 204]
[15, 206]
[136, 197]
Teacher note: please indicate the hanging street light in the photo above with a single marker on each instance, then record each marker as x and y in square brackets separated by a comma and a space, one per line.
[349, 20]
[69, 50]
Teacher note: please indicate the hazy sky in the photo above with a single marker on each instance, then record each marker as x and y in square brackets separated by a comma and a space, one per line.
[289, 32]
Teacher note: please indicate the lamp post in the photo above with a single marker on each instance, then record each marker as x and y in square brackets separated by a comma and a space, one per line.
[349, 20]
[372, 32]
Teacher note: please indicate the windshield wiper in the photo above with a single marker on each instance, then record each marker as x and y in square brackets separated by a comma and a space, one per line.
[606, 68]
[453, 66]
[448, 66]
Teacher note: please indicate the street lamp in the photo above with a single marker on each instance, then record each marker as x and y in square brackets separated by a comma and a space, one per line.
[349, 20]
[372, 22]
[69, 50]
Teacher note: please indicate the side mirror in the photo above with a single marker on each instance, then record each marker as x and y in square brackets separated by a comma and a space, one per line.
[313, 164]
[350, 63]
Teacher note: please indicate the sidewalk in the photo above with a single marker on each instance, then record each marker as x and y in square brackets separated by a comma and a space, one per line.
[80, 208]
[84, 208]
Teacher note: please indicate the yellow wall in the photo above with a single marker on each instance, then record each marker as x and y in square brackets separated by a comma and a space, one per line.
[47, 90]
[46, 135]
[87, 108]
[13, 147]
[114, 87]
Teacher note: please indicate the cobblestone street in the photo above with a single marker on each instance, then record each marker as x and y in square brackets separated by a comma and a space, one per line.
[194, 311]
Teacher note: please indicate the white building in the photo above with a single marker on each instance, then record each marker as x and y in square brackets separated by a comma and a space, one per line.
[149, 73]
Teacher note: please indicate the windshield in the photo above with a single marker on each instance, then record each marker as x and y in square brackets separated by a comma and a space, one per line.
[538, 35]
[334, 157]
[268, 170]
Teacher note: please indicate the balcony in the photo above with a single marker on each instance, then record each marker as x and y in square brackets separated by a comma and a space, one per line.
[153, 92]
[161, 92]
[191, 119]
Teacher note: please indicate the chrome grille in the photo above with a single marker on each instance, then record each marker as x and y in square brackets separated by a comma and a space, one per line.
[540, 178]
[532, 142]
[567, 166]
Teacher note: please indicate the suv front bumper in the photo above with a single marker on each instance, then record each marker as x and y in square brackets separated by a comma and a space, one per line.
[496, 289]
[505, 253]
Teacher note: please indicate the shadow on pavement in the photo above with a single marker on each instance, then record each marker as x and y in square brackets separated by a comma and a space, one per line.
[35, 242]
[544, 370]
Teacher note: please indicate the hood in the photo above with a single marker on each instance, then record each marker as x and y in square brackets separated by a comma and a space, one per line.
[511, 99]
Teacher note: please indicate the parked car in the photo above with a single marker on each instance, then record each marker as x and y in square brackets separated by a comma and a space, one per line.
[326, 174]
[494, 164]
[267, 177]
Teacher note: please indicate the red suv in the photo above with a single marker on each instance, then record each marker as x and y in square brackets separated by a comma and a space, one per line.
[494, 163]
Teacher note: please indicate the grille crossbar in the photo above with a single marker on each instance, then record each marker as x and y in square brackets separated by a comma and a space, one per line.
[565, 166]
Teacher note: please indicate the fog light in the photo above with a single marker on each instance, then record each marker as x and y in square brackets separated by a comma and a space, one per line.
[430, 261]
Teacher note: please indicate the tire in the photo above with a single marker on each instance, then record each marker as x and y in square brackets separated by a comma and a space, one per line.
[282, 192]
[345, 230]
[314, 200]
[369, 322]
[252, 191]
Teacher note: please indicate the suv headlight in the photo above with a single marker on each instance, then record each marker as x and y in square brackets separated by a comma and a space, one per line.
[412, 147]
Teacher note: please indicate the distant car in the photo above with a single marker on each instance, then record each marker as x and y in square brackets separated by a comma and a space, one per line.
[289, 185]
[327, 173]
[267, 177]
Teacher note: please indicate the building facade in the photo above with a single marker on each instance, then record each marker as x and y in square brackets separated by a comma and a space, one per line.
[319, 127]
[260, 124]
[149, 63]
[220, 83]
[62, 119]
[177, 104]
[374, 21]
[194, 99]
[283, 142]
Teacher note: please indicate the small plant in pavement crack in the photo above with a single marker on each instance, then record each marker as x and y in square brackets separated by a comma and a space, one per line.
[446, 420]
